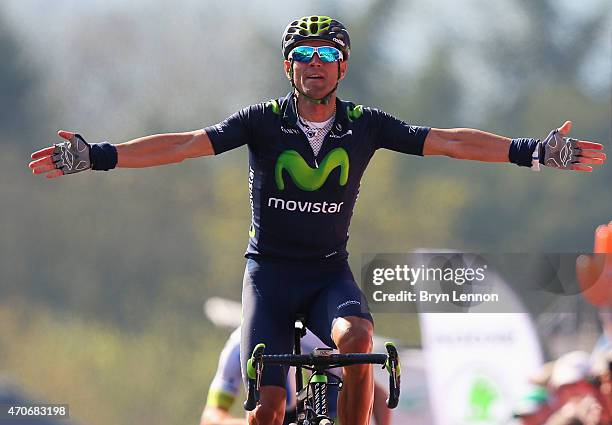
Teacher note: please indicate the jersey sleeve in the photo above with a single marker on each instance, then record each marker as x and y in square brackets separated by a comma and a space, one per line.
[398, 136]
[235, 131]
[227, 381]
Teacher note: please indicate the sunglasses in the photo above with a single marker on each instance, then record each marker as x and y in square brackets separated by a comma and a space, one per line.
[325, 53]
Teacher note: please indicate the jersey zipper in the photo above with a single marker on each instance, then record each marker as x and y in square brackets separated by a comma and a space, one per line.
[315, 158]
[325, 142]
[312, 154]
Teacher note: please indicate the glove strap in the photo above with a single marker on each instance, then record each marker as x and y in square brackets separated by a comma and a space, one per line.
[535, 158]
[103, 156]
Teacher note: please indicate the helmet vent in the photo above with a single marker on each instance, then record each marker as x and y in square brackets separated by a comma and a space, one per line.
[314, 18]
[294, 23]
[336, 29]
[303, 32]
[314, 28]
[303, 25]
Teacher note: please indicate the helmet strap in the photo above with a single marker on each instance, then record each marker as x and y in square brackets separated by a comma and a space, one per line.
[322, 101]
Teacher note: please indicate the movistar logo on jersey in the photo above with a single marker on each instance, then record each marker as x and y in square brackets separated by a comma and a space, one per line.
[307, 178]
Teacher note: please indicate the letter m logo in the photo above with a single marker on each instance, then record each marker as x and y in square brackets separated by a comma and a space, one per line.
[307, 178]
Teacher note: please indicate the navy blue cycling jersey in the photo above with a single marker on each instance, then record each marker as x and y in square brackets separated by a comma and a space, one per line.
[302, 204]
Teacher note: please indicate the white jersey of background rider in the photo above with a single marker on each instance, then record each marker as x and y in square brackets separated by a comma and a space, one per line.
[228, 379]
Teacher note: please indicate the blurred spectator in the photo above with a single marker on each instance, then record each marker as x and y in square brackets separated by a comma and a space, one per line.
[602, 372]
[604, 343]
[576, 400]
[533, 408]
[594, 273]
[541, 378]
[570, 371]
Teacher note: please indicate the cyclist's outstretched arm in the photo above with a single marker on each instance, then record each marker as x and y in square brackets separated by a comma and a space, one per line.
[160, 149]
[556, 150]
[467, 143]
[74, 154]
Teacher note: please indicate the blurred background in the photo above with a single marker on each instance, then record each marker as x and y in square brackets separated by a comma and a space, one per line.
[103, 275]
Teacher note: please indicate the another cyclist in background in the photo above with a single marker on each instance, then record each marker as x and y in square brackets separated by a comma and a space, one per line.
[307, 153]
[227, 382]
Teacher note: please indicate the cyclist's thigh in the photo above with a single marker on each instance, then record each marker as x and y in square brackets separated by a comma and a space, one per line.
[267, 317]
[339, 296]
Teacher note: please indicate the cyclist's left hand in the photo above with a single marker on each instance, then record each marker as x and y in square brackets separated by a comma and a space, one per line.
[560, 151]
[67, 157]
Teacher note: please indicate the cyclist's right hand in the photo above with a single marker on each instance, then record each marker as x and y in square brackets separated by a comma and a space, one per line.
[67, 157]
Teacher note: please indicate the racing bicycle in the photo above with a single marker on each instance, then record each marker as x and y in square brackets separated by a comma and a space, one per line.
[311, 406]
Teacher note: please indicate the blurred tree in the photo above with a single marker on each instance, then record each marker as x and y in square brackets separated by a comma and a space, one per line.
[17, 81]
[549, 52]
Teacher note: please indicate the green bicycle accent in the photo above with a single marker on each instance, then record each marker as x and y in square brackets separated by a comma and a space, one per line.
[354, 113]
[388, 364]
[311, 179]
[314, 25]
[318, 378]
[251, 371]
[273, 104]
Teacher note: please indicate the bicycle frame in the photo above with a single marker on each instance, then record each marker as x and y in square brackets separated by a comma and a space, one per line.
[311, 406]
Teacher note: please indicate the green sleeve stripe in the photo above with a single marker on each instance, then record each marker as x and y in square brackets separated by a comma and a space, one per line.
[273, 104]
[354, 113]
[221, 399]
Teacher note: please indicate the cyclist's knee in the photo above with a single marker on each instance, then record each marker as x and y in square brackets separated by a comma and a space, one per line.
[271, 409]
[264, 415]
[353, 334]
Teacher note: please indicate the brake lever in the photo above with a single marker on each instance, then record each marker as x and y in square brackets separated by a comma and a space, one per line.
[254, 371]
[393, 367]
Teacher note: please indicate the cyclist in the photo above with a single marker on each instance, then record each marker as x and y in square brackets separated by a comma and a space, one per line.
[307, 153]
[225, 387]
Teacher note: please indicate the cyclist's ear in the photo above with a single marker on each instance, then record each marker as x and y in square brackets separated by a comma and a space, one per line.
[343, 69]
[287, 67]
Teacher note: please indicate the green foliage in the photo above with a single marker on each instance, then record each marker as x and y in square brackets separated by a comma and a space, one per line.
[107, 375]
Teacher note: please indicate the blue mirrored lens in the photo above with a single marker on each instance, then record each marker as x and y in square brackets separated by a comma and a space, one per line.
[305, 53]
[302, 53]
[328, 54]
